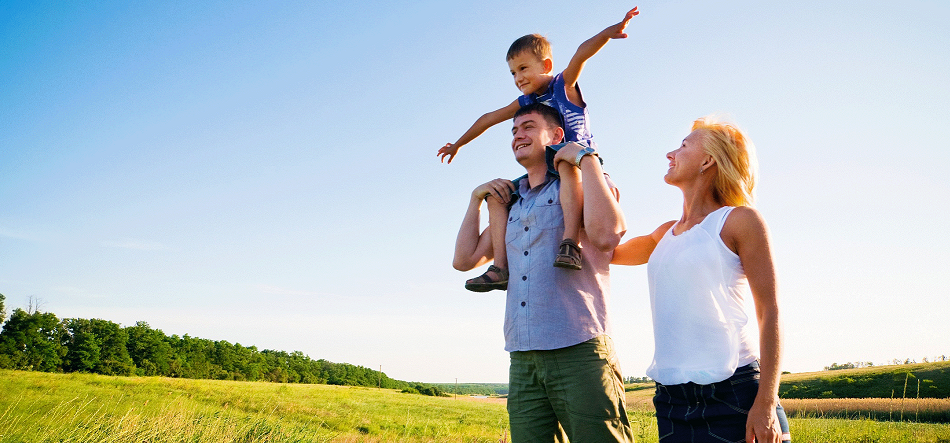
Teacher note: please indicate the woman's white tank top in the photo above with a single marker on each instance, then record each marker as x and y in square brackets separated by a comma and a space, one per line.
[698, 293]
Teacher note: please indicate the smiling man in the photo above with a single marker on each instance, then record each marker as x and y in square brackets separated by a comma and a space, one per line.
[564, 377]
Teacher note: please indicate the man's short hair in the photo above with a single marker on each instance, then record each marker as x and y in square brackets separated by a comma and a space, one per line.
[548, 113]
[536, 44]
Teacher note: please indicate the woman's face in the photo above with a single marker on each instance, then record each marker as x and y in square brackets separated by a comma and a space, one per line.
[686, 161]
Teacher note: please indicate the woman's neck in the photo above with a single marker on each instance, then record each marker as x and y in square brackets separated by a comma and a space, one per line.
[697, 204]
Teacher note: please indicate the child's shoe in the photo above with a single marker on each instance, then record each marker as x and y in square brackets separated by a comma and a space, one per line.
[485, 283]
[569, 255]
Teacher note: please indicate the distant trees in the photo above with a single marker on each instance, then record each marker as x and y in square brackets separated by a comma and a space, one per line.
[433, 391]
[895, 362]
[38, 341]
[32, 341]
[849, 365]
[643, 379]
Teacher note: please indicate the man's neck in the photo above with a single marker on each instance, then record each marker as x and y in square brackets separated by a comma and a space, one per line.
[537, 176]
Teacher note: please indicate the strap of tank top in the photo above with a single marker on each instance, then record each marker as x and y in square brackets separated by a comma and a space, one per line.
[720, 219]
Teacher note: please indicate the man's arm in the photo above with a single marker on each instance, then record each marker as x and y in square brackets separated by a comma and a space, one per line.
[473, 249]
[587, 50]
[481, 125]
[603, 219]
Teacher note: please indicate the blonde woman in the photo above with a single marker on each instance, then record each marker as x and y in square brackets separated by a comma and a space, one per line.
[712, 383]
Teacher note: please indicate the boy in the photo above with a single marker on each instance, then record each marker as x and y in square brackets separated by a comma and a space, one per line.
[530, 61]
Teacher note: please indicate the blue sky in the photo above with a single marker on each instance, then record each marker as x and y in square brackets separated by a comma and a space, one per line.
[266, 174]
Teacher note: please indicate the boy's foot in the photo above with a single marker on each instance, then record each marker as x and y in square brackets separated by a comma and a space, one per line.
[493, 278]
[569, 255]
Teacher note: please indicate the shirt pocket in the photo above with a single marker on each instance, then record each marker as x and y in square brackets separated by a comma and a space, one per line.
[514, 225]
[547, 211]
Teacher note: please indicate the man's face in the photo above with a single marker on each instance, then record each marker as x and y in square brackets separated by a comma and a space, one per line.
[531, 133]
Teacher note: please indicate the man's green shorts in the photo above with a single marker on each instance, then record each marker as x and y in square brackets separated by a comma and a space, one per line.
[574, 392]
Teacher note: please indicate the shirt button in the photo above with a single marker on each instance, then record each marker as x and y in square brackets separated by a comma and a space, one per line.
[525, 252]
[550, 201]
[524, 277]
[522, 303]
[525, 229]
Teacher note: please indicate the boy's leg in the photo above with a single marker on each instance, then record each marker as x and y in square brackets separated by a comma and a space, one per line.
[572, 204]
[496, 277]
[498, 226]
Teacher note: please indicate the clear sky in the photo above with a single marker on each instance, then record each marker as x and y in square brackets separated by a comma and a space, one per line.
[265, 172]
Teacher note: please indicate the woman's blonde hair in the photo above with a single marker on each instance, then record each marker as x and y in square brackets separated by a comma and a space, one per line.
[734, 154]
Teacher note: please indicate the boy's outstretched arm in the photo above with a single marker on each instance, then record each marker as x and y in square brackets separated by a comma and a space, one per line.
[587, 50]
[481, 125]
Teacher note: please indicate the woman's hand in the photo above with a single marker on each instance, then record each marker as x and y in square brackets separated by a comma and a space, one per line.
[762, 425]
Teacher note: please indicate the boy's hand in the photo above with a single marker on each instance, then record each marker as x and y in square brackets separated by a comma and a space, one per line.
[616, 31]
[567, 153]
[449, 151]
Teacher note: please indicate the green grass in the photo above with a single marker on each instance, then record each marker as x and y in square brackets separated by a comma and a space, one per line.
[872, 382]
[815, 430]
[43, 407]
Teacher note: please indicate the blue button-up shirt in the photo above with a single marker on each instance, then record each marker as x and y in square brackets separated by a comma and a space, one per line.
[549, 307]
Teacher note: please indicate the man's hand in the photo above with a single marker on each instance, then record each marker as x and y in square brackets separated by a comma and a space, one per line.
[499, 188]
[449, 151]
[616, 31]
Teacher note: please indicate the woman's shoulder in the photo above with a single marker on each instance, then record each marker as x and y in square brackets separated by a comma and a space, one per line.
[742, 216]
[744, 223]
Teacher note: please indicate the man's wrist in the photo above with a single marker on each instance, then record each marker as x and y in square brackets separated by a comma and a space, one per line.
[583, 153]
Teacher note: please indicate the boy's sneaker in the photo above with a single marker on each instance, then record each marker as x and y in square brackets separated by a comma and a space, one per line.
[569, 255]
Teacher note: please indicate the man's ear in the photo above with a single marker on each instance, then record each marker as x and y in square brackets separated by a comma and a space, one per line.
[548, 65]
[558, 135]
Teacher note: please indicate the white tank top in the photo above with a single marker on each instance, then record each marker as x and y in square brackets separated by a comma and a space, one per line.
[698, 293]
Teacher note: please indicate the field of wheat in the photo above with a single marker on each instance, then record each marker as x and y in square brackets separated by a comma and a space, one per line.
[922, 410]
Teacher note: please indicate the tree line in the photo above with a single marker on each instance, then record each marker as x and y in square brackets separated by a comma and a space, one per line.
[39, 341]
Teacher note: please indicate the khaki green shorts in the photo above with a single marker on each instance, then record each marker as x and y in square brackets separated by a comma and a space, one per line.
[574, 393]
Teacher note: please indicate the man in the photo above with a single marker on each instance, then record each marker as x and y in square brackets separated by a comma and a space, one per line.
[564, 380]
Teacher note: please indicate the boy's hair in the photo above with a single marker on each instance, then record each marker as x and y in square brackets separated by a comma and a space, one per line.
[536, 44]
[549, 114]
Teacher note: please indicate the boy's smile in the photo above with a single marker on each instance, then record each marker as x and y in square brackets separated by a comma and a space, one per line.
[532, 75]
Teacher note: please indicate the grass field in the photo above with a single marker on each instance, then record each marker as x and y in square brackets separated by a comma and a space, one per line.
[43, 407]
[924, 380]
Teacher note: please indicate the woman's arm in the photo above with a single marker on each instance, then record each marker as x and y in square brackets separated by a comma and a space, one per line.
[637, 250]
[746, 233]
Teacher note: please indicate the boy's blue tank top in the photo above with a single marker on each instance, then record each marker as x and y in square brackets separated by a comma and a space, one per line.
[576, 119]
